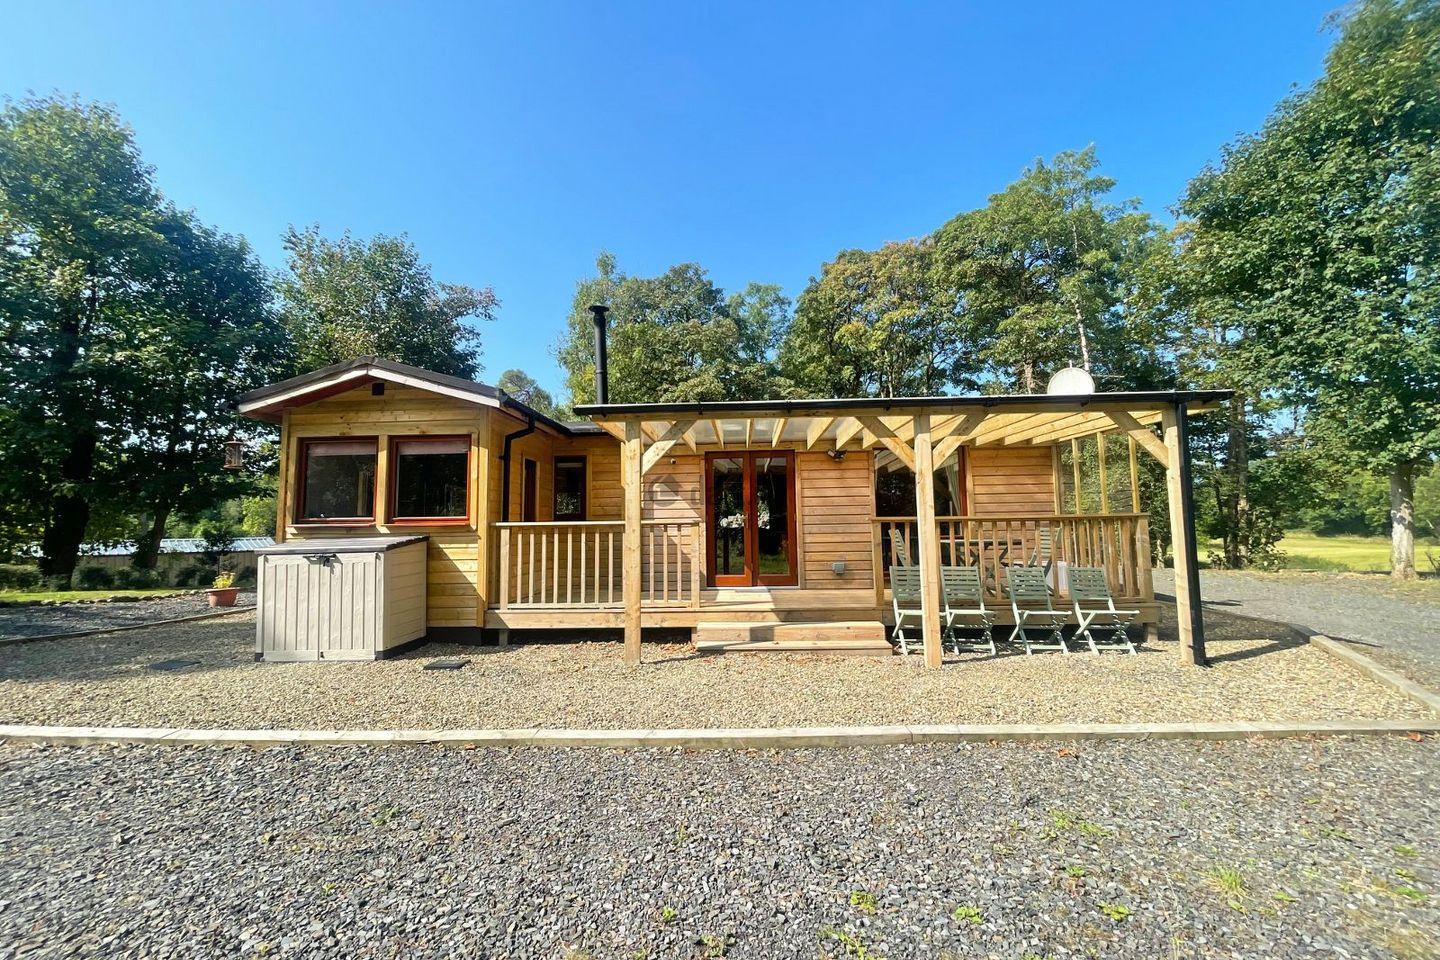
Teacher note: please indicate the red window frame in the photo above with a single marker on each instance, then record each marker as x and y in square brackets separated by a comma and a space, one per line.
[303, 455]
[392, 512]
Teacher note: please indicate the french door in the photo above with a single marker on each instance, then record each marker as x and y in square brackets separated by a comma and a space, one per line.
[750, 518]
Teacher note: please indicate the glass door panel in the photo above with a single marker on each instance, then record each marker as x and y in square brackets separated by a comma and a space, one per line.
[728, 528]
[774, 561]
[750, 521]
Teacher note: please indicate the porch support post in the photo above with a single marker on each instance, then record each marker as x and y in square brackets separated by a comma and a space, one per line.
[1180, 487]
[928, 532]
[632, 459]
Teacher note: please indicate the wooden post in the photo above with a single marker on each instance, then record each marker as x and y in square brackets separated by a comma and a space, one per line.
[632, 459]
[287, 481]
[1134, 478]
[1075, 469]
[1180, 488]
[1104, 477]
[927, 531]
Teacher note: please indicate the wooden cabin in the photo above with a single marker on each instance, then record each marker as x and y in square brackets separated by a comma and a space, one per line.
[758, 525]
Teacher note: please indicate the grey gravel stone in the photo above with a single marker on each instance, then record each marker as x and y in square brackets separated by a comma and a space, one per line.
[36, 620]
[1319, 848]
[1260, 673]
[1399, 625]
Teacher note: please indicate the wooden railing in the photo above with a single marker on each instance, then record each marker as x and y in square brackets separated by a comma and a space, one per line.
[579, 564]
[1119, 543]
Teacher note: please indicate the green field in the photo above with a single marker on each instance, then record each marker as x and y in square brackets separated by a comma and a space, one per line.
[1309, 551]
[17, 597]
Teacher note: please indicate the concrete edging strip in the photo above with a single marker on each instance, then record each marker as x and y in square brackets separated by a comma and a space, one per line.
[1354, 658]
[714, 739]
[208, 614]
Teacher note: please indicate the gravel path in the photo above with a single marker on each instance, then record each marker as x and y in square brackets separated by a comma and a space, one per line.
[1396, 626]
[1161, 851]
[42, 619]
[1260, 673]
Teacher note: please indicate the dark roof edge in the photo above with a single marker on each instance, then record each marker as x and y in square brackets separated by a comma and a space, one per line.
[1139, 397]
[419, 373]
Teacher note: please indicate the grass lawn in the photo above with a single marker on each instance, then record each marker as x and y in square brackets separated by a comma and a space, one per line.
[1308, 551]
[16, 597]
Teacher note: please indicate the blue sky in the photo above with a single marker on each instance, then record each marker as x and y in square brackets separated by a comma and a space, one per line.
[513, 142]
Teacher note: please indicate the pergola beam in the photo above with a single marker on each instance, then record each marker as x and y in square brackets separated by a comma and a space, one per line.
[847, 432]
[779, 431]
[663, 444]
[818, 428]
[1141, 434]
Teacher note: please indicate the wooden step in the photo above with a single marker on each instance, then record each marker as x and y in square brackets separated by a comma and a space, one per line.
[856, 638]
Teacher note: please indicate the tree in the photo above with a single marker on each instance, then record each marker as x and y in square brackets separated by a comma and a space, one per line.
[128, 329]
[210, 336]
[675, 337]
[347, 298]
[879, 324]
[1044, 270]
[1323, 230]
[528, 391]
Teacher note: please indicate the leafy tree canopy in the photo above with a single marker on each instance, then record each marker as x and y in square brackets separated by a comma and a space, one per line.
[129, 327]
[675, 337]
[880, 324]
[1319, 237]
[1045, 271]
[528, 391]
[347, 298]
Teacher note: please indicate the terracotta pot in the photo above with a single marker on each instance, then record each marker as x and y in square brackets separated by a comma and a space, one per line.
[222, 596]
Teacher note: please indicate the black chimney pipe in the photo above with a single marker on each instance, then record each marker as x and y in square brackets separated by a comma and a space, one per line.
[602, 362]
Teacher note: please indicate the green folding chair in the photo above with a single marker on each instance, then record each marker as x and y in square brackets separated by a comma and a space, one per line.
[905, 602]
[1095, 611]
[1028, 585]
[963, 597]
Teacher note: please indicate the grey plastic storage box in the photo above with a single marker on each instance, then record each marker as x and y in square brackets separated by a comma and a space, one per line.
[339, 598]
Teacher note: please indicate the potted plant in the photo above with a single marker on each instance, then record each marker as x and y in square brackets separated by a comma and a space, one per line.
[223, 590]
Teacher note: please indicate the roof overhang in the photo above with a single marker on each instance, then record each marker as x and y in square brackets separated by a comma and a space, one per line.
[888, 423]
[270, 402]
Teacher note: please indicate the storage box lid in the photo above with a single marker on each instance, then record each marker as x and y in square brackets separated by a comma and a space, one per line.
[341, 545]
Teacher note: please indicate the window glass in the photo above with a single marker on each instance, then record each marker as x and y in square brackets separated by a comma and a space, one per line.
[529, 491]
[431, 477]
[570, 488]
[339, 480]
[895, 489]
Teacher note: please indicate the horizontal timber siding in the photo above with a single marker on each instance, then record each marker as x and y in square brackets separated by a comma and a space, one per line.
[452, 565]
[1010, 481]
[836, 504]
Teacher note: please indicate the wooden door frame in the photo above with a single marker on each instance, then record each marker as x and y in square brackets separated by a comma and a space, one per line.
[752, 575]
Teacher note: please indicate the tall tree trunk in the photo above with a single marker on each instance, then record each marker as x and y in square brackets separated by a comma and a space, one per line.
[68, 513]
[1402, 522]
[147, 551]
[1084, 340]
[1027, 376]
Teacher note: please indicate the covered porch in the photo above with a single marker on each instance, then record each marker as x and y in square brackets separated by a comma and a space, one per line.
[666, 560]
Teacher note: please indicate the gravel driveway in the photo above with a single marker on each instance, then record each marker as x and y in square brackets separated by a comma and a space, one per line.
[1261, 672]
[1319, 848]
[35, 620]
[1401, 629]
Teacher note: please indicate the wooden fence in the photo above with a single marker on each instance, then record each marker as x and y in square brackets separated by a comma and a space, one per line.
[578, 564]
[1118, 543]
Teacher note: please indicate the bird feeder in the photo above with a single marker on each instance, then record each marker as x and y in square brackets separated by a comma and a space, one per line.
[234, 454]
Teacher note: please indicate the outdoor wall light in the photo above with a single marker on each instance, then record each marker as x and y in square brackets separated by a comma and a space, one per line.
[838, 567]
[836, 454]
